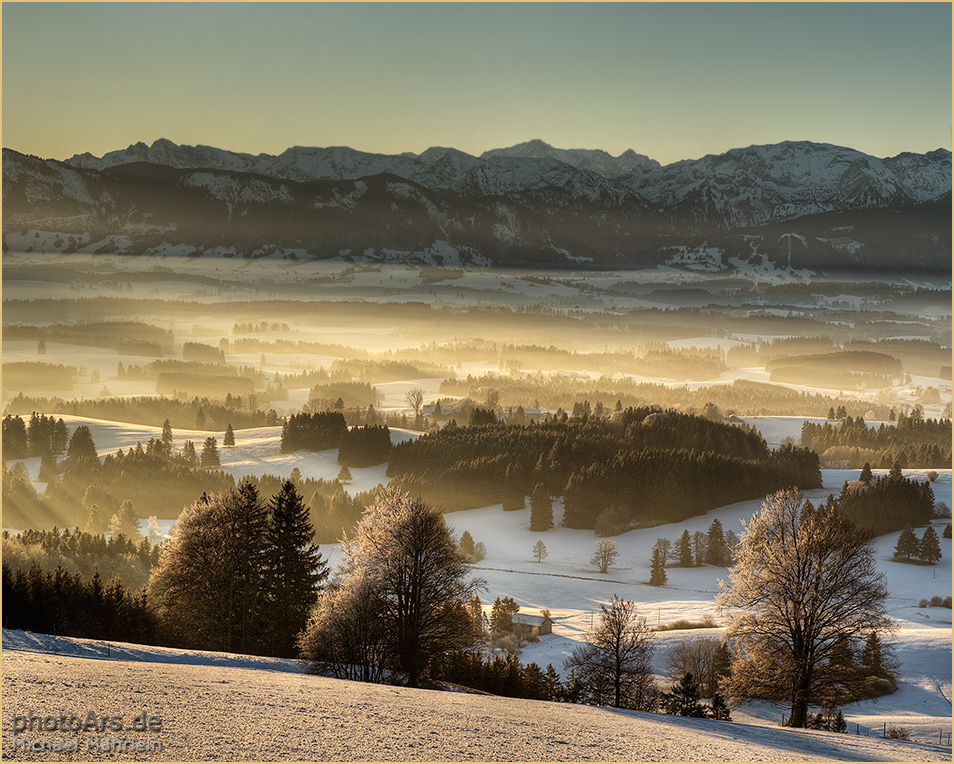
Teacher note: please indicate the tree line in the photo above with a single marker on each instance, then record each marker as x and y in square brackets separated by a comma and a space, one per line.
[638, 467]
[913, 442]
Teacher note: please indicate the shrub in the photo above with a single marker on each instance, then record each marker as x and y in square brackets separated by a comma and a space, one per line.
[898, 733]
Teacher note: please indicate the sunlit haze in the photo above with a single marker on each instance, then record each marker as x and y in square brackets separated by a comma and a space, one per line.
[672, 81]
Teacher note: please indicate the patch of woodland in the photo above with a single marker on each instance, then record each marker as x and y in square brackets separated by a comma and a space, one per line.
[887, 503]
[840, 369]
[648, 465]
[912, 442]
[125, 337]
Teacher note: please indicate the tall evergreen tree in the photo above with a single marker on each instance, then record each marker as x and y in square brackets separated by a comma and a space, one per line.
[125, 522]
[715, 544]
[866, 477]
[210, 453]
[167, 436]
[294, 567]
[929, 548]
[81, 445]
[541, 509]
[189, 454]
[685, 549]
[683, 698]
[229, 438]
[907, 547]
[502, 613]
[657, 575]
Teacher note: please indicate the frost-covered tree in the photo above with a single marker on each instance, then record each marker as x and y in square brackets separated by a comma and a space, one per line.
[804, 578]
[210, 586]
[605, 555]
[402, 567]
[615, 662]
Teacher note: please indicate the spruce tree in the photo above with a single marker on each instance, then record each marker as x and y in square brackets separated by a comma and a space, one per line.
[541, 509]
[929, 548]
[502, 613]
[294, 567]
[210, 453]
[466, 544]
[866, 477]
[189, 454]
[167, 436]
[718, 709]
[685, 549]
[715, 544]
[683, 698]
[657, 575]
[125, 522]
[229, 439]
[907, 547]
[48, 468]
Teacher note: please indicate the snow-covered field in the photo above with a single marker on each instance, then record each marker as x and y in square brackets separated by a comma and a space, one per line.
[233, 708]
[277, 716]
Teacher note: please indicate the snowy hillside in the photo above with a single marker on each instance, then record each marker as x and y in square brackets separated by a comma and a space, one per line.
[238, 696]
[236, 708]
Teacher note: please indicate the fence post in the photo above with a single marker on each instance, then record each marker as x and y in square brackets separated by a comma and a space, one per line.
[884, 729]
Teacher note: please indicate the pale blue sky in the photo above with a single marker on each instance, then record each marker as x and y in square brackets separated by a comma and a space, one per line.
[671, 80]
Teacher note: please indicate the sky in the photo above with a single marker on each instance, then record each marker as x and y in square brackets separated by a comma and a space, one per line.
[669, 80]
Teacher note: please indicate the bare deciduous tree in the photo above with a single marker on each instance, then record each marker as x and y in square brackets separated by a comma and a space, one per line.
[606, 553]
[415, 399]
[806, 584]
[615, 664]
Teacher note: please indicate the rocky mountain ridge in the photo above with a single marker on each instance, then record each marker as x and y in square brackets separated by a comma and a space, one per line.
[529, 204]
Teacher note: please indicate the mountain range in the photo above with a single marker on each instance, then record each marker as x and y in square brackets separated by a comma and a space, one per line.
[795, 204]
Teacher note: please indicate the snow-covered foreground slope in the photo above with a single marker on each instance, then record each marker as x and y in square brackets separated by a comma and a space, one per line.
[254, 709]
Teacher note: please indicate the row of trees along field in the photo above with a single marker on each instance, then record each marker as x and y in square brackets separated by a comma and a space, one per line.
[641, 466]
[913, 442]
[199, 413]
[743, 397]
